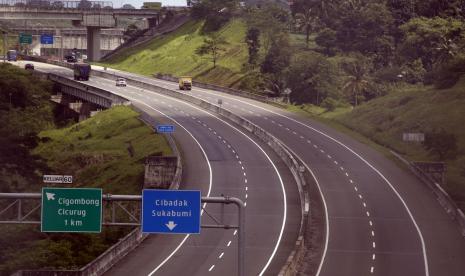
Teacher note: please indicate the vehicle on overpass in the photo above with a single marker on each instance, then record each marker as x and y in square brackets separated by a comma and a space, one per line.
[120, 82]
[29, 66]
[12, 55]
[185, 83]
[81, 71]
[71, 58]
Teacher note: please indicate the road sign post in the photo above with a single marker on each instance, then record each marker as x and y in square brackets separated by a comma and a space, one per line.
[171, 211]
[46, 39]
[25, 38]
[20, 218]
[71, 210]
[165, 128]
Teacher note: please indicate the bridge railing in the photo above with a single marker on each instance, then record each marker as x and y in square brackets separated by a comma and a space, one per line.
[57, 4]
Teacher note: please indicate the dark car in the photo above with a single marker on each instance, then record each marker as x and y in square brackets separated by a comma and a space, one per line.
[29, 66]
[71, 59]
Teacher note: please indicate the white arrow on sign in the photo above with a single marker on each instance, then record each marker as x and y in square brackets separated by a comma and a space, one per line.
[171, 225]
[50, 196]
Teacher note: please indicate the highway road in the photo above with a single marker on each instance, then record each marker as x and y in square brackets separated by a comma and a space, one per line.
[221, 159]
[380, 219]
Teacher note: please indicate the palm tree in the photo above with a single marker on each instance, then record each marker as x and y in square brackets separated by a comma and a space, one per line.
[357, 81]
[306, 20]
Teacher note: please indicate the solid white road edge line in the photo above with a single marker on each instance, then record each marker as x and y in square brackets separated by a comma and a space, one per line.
[422, 241]
[209, 185]
[269, 159]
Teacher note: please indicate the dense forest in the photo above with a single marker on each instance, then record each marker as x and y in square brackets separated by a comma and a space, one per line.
[353, 50]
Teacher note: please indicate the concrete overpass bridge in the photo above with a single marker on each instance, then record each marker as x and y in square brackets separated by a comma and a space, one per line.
[93, 15]
[66, 40]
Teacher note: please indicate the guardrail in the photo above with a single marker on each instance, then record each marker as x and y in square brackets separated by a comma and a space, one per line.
[117, 251]
[442, 196]
[108, 99]
[294, 164]
[223, 89]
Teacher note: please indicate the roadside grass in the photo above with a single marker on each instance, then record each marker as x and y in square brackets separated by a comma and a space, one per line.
[382, 121]
[298, 42]
[174, 54]
[106, 151]
[328, 118]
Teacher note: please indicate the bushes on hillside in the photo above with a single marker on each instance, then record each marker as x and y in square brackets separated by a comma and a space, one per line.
[441, 144]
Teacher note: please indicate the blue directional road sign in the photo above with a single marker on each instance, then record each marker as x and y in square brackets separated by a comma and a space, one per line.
[170, 211]
[165, 128]
[46, 39]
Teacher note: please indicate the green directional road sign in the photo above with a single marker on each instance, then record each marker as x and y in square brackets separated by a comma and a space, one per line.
[25, 38]
[71, 210]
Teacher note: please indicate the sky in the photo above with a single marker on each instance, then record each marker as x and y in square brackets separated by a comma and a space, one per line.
[138, 3]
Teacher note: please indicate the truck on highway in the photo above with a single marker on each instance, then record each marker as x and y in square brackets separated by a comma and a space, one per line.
[185, 83]
[12, 55]
[81, 71]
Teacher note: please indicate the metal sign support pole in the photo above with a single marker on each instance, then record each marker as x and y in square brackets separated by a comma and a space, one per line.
[241, 226]
[5, 45]
[112, 199]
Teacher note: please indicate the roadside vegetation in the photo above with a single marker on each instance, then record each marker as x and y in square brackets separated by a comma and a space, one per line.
[106, 151]
[175, 54]
[380, 68]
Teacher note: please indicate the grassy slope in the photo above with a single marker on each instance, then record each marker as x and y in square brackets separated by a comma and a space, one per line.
[175, 54]
[419, 109]
[96, 152]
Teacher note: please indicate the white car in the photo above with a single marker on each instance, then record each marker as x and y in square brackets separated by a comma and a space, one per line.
[120, 82]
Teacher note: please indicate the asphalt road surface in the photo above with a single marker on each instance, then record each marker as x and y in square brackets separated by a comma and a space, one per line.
[381, 219]
[221, 160]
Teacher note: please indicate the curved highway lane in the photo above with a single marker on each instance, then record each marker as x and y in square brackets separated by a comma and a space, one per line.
[381, 220]
[240, 167]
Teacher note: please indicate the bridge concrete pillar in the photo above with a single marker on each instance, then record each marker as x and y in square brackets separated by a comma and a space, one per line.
[153, 22]
[93, 43]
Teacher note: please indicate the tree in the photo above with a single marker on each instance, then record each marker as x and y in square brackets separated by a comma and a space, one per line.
[276, 62]
[271, 20]
[128, 7]
[253, 43]
[433, 40]
[304, 14]
[441, 143]
[327, 38]
[443, 8]
[212, 46]
[367, 29]
[401, 10]
[215, 12]
[357, 83]
[310, 78]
